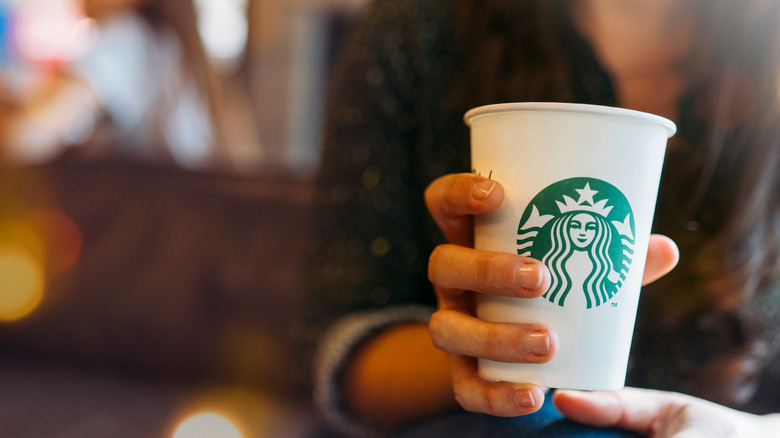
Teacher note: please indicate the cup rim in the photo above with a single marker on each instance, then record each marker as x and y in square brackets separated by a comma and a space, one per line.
[473, 113]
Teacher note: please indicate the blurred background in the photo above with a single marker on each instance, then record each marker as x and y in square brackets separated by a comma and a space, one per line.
[275, 53]
[156, 164]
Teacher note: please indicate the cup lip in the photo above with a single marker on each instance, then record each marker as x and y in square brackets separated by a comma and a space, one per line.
[473, 113]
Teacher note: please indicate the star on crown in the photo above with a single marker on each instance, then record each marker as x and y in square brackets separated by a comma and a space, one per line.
[585, 203]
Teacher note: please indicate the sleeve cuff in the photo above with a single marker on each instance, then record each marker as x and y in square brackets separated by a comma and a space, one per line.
[336, 348]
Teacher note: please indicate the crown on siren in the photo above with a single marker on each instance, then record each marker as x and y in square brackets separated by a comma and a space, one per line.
[585, 203]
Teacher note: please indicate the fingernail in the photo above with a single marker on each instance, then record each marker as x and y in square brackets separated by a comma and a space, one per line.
[537, 342]
[483, 189]
[528, 276]
[524, 398]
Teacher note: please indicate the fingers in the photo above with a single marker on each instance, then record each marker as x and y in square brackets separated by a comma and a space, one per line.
[501, 399]
[453, 199]
[504, 274]
[496, 273]
[662, 257]
[457, 333]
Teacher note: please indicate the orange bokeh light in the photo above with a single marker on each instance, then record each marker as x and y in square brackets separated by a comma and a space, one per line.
[34, 249]
[62, 238]
[22, 283]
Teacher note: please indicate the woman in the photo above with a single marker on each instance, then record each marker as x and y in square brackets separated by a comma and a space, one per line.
[395, 128]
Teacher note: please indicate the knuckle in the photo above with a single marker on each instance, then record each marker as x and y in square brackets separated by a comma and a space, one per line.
[428, 196]
[492, 402]
[491, 337]
[434, 193]
[447, 269]
[464, 395]
[504, 344]
[495, 345]
[489, 272]
[435, 254]
[436, 329]
[461, 396]
[434, 263]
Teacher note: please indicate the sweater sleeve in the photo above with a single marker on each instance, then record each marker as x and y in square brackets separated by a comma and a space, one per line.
[334, 352]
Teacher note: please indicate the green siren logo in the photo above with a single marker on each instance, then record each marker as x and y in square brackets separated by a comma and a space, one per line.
[587, 243]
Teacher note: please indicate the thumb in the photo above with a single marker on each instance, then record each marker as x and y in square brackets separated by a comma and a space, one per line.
[629, 408]
[662, 257]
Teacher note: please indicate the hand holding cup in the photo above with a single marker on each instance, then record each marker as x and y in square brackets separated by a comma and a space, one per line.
[458, 272]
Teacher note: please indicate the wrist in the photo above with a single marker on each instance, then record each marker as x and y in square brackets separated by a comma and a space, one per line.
[336, 354]
[398, 377]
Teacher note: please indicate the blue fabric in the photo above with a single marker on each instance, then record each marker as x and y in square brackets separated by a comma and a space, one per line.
[545, 423]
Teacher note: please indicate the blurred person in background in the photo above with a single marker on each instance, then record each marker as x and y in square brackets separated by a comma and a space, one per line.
[395, 206]
[146, 89]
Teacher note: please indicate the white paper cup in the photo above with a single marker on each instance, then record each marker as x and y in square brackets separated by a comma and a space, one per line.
[580, 186]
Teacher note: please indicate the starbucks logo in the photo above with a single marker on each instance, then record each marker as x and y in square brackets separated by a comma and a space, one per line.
[582, 229]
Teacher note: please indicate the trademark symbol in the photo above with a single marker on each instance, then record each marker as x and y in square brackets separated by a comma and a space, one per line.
[614, 304]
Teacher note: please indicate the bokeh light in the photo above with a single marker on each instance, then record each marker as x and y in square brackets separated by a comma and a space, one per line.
[33, 249]
[52, 32]
[223, 26]
[249, 412]
[207, 425]
[22, 283]
[21, 234]
[22, 269]
[62, 238]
